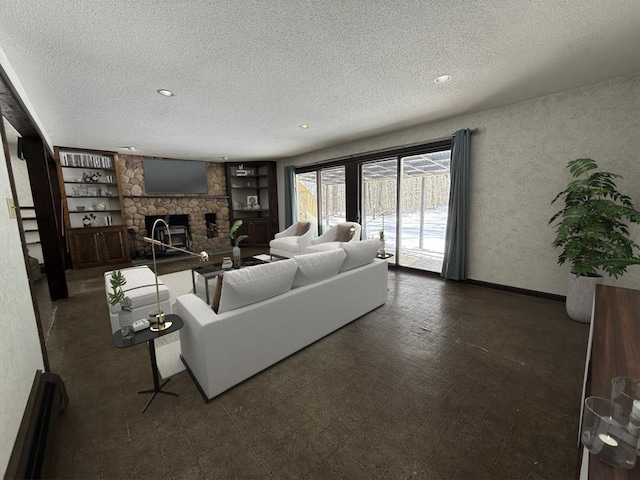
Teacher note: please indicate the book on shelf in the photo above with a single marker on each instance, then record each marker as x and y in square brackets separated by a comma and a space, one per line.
[86, 160]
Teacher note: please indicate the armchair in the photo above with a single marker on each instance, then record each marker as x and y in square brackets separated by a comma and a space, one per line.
[294, 240]
[332, 238]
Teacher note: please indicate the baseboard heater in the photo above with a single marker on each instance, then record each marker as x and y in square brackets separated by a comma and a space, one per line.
[33, 450]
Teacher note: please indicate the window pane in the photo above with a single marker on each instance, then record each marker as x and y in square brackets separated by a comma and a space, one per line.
[333, 198]
[424, 208]
[379, 197]
[307, 196]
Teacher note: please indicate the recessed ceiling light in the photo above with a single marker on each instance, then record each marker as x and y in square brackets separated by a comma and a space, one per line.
[129, 149]
[165, 92]
[443, 79]
[224, 158]
[304, 126]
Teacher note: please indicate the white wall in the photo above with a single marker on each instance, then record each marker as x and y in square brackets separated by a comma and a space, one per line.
[519, 154]
[20, 354]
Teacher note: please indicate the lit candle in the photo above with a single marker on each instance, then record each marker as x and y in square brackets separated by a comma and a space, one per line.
[608, 439]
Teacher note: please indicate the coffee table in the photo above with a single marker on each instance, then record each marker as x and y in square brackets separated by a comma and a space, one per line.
[211, 272]
[149, 336]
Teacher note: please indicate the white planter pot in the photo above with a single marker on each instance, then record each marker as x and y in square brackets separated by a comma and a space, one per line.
[580, 293]
[236, 256]
[125, 319]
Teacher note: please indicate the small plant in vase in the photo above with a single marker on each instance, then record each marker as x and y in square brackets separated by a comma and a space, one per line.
[236, 241]
[117, 296]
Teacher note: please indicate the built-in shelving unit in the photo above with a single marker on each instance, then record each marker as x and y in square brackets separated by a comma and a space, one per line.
[93, 214]
[253, 199]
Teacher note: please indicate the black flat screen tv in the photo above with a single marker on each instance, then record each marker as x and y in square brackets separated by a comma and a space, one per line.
[174, 176]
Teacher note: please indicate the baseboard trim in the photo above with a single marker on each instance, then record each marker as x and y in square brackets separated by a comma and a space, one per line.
[480, 283]
[522, 291]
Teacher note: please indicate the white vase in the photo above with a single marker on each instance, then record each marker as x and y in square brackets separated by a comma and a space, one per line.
[125, 319]
[236, 257]
[580, 293]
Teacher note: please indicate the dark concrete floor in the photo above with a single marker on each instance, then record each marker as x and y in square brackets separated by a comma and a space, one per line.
[444, 381]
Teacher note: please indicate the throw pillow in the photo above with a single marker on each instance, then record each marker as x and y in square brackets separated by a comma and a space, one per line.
[359, 253]
[344, 233]
[218, 293]
[314, 267]
[302, 228]
[254, 284]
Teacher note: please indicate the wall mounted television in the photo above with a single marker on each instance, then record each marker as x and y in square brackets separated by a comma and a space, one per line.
[162, 175]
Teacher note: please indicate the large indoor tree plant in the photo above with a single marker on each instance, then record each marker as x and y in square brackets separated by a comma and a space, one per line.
[593, 233]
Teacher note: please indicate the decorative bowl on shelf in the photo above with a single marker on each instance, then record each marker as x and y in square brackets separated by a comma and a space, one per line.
[80, 208]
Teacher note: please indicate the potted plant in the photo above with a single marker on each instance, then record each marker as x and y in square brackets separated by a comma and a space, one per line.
[236, 242]
[592, 233]
[117, 296]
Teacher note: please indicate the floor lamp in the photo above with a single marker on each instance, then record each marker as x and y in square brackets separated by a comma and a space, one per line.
[158, 316]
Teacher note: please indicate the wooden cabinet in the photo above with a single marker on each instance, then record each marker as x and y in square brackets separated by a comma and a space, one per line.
[260, 231]
[92, 247]
[612, 351]
[253, 199]
[92, 207]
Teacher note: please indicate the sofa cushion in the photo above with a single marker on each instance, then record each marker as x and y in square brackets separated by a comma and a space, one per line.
[322, 247]
[344, 233]
[215, 305]
[254, 284]
[314, 267]
[302, 228]
[359, 253]
[289, 244]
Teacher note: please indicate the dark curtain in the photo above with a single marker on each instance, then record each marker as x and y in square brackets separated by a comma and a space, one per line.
[454, 264]
[290, 208]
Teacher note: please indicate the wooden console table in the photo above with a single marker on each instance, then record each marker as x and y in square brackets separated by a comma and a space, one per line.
[614, 350]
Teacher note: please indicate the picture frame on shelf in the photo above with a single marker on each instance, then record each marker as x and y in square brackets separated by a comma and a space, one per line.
[252, 202]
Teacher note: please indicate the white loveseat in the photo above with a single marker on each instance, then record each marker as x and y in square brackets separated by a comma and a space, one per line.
[141, 289]
[315, 295]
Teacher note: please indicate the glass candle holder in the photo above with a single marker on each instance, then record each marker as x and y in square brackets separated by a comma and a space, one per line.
[605, 432]
[624, 390]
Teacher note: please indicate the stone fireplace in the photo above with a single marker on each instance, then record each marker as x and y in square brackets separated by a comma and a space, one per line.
[204, 218]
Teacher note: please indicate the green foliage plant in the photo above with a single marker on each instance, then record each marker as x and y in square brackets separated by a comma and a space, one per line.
[591, 228]
[232, 233]
[116, 296]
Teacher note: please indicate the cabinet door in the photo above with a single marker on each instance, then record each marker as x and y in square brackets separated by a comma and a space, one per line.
[261, 232]
[85, 248]
[245, 229]
[113, 247]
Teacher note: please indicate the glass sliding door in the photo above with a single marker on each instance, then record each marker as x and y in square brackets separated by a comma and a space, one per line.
[379, 201]
[332, 197]
[403, 194]
[424, 203]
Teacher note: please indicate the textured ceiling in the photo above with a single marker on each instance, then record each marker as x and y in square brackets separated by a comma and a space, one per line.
[247, 73]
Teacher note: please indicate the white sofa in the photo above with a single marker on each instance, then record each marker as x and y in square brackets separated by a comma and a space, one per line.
[141, 289]
[329, 240]
[222, 349]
